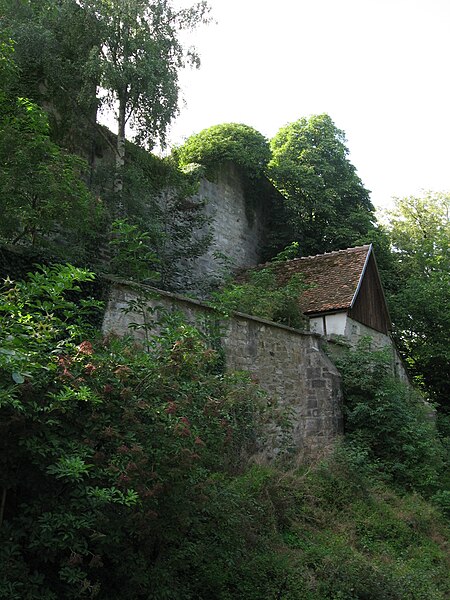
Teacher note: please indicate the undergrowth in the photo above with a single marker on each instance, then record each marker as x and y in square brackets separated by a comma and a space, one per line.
[125, 475]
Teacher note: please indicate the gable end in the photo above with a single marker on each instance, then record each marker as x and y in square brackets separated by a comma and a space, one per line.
[369, 305]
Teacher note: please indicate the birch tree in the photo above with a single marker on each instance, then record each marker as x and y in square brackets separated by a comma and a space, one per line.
[137, 65]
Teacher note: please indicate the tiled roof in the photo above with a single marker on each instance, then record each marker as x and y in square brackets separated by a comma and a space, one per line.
[334, 277]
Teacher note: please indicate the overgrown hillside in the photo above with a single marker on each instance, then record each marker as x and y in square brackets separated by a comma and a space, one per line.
[126, 473]
[126, 470]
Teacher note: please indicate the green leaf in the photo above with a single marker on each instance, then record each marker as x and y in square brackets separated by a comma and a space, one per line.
[18, 377]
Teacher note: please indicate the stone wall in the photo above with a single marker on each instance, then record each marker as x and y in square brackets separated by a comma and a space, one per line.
[341, 331]
[238, 225]
[288, 364]
[291, 367]
[354, 331]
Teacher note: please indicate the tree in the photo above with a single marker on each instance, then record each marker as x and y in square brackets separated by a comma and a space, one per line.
[419, 229]
[386, 419]
[328, 207]
[41, 186]
[243, 146]
[53, 41]
[137, 63]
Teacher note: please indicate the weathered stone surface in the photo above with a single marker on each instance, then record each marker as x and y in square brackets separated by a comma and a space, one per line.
[238, 225]
[288, 364]
[238, 229]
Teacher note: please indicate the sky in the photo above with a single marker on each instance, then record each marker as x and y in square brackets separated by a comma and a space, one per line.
[379, 68]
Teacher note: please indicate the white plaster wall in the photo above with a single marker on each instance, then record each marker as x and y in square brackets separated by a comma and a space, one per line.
[316, 325]
[335, 324]
[354, 331]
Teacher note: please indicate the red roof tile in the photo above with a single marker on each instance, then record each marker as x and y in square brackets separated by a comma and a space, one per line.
[334, 277]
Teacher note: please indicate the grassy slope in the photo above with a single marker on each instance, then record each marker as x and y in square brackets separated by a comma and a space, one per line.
[325, 533]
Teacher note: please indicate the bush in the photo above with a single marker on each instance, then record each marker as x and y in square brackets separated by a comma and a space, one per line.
[389, 420]
[240, 144]
[107, 451]
[261, 295]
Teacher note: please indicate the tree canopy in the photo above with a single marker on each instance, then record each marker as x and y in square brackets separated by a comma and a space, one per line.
[419, 229]
[53, 41]
[124, 55]
[41, 188]
[328, 207]
[137, 61]
[235, 142]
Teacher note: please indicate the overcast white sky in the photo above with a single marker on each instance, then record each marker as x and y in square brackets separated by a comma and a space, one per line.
[379, 68]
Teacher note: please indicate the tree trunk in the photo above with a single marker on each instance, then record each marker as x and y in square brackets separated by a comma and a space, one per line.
[120, 157]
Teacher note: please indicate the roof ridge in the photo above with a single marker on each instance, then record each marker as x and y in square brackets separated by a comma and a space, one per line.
[332, 252]
[269, 263]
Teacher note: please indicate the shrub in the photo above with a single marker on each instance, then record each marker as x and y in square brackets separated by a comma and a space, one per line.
[132, 256]
[107, 451]
[235, 142]
[388, 420]
[261, 294]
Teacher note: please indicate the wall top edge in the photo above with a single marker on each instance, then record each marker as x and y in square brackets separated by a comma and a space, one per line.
[118, 282]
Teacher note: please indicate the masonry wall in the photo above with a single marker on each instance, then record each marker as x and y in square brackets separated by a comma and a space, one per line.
[296, 374]
[344, 331]
[289, 365]
[238, 225]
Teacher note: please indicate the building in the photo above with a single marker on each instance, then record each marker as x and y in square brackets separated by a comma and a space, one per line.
[345, 300]
[345, 296]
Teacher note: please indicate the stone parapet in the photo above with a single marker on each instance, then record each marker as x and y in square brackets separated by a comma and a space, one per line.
[289, 365]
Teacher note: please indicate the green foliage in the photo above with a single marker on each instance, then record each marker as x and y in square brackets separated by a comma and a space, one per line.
[159, 200]
[68, 49]
[390, 421]
[53, 42]
[261, 295]
[8, 69]
[136, 61]
[107, 451]
[41, 188]
[36, 320]
[328, 207]
[132, 257]
[419, 229]
[138, 58]
[235, 142]
[291, 251]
